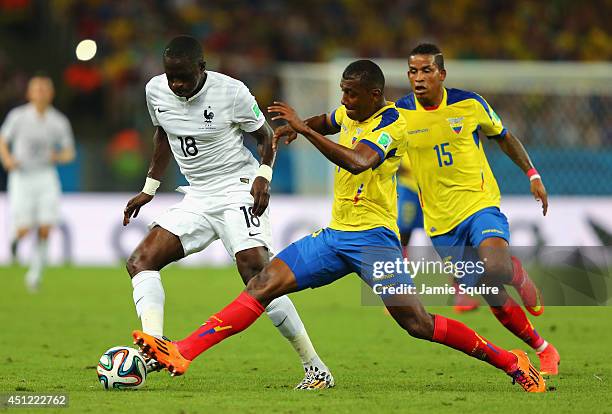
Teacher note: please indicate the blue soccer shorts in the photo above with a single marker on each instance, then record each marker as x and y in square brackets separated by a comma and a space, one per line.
[461, 243]
[328, 255]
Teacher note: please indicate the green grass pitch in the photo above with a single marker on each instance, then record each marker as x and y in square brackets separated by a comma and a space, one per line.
[50, 342]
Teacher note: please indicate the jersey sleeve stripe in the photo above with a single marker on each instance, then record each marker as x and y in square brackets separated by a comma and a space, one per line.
[484, 104]
[333, 119]
[458, 95]
[389, 155]
[376, 148]
[502, 134]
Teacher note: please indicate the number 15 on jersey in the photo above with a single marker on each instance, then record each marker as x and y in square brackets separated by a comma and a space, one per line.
[445, 157]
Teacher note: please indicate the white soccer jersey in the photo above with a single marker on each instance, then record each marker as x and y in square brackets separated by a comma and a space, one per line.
[34, 136]
[205, 131]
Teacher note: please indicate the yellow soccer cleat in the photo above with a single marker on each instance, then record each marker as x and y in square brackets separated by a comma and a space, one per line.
[165, 352]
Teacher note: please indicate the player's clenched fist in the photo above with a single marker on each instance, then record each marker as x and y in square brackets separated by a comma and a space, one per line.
[133, 206]
[261, 195]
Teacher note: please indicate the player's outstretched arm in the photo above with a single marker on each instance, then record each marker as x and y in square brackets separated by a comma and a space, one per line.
[319, 123]
[354, 161]
[159, 162]
[260, 190]
[8, 162]
[515, 150]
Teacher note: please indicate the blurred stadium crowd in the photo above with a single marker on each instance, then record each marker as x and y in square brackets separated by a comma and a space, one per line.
[104, 97]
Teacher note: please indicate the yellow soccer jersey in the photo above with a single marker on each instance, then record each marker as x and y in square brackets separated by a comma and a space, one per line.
[369, 199]
[453, 176]
[405, 176]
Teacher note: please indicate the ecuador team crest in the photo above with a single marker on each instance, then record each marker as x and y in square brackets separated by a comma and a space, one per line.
[456, 124]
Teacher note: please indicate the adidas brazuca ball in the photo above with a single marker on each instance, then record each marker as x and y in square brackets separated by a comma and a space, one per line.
[122, 367]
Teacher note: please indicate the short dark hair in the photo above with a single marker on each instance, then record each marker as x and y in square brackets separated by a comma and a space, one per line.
[367, 72]
[184, 47]
[430, 49]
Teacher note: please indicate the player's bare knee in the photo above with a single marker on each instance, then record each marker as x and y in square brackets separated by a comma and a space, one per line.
[496, 270]
[257, 288]
[131, 265]
[137, 262]
[265, 286]
[417, 324]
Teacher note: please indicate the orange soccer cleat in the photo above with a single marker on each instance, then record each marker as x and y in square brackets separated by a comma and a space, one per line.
[526, 375]
[549, 361]
[527, 290]
[165, 352]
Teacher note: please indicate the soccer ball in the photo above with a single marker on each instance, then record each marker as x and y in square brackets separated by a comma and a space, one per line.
[123, 368]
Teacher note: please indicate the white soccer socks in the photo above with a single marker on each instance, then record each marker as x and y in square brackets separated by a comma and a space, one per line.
[286, 319]
[37, 266]
[149, 299]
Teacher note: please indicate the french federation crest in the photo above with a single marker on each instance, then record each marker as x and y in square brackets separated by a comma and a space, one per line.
[456, 124]
[208, 115]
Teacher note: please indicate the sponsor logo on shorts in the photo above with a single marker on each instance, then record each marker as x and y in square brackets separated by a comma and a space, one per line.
[383, 277]
[492, 231]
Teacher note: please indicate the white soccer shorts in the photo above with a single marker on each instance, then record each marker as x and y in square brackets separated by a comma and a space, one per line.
[34, 198]
[198, 220]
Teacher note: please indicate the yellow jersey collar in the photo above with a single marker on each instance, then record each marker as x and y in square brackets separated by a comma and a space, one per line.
[419, 107]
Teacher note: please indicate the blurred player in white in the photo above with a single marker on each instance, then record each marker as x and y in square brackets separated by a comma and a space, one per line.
[33, 138]
[200, 116]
